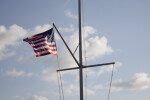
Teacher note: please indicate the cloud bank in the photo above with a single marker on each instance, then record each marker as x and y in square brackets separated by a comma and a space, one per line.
[39, 98]
[8, 38]
[15, 73]
[33, 98]
[69, 14]
[43, 75]
[140, 81]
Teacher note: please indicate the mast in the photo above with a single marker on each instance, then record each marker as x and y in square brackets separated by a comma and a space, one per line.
[80, 65]
[80, 51]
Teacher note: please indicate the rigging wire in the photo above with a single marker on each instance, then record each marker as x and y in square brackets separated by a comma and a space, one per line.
[76, 49]
[60, 81]
[110, 82]
[60, 85]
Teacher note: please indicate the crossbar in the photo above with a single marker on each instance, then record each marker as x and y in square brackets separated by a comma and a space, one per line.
[67, 69]
[98, 65]
[86, 66]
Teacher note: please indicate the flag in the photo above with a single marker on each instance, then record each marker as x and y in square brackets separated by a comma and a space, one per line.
[43, 43]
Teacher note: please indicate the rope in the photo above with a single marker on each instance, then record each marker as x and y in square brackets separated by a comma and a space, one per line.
[60, 86]
[110, 82]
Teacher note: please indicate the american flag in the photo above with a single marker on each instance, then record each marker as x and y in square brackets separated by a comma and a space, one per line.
[43, 43]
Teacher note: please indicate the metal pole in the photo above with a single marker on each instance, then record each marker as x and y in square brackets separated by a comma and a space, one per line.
[66, 45]
[80, 52]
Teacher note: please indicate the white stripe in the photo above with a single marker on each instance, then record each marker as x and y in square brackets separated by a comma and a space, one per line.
[39, 43]
[44, 42]
[44, 47]
[51, 43]
[47, 51]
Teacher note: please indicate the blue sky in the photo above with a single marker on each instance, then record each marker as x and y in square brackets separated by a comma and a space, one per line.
[116, 30]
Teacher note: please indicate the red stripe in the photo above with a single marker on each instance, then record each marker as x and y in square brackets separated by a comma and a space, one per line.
[38, 41]
[36, 35]
[45, 54]
[45, 49]
[45, 44]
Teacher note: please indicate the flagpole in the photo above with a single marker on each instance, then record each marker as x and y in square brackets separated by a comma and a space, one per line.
[80, 52]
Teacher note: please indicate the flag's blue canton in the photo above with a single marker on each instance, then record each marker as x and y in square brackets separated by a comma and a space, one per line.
[50, 35]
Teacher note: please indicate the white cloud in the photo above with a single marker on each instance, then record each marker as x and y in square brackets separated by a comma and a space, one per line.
[140, 81]
[73, 90]
[34, 98]
[69, 14]
[66, 30]
[89, 72]
[65, 59]
[90, 92]
[2, 29]
[39, 98]
[6, 54]
[87, 31]
[39, 29]
[20, 59]
[97, 87]
[118, 64]
[109, 68]
[97, 47]
[15, 73]
[48, 75]
[10, 37]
